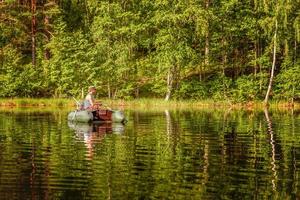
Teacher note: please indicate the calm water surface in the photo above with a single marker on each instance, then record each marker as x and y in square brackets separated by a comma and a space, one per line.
[167, 154]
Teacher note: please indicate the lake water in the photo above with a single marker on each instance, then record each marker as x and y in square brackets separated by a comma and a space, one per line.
[167, 154]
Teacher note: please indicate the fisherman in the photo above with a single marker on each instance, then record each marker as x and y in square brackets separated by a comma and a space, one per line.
[89, 101]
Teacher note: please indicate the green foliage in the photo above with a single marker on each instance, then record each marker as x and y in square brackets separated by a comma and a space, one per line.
[288, 82]
[71, 66]
[219, 87]
[192, 89]
[247, 88]
[10, 73]
[132, 49]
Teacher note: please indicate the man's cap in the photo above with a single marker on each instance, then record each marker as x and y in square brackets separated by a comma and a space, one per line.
[92, 87]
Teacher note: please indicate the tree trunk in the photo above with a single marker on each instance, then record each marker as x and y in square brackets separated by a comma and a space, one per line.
[293, 94]
[48, 37]
[224, 56]
[206, 50]
[114, 96]
[255, 58]
[33, 31]
[286, 48]
[295, 50]
[273, 66]
[169, 85]
[224, 61]
[109, 91]
[259, 53]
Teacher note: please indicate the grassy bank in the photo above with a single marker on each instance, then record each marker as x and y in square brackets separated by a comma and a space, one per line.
[192, 104]
[145, 104]
[30, 102]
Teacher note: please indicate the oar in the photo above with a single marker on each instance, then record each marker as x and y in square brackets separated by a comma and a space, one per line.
[77, 102]
[74, 115]
[78, 106]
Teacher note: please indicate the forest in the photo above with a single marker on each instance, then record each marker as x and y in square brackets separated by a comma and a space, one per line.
[239, 50]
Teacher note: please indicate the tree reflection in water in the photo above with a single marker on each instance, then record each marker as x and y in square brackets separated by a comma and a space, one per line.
[169, 154]
[273, 147]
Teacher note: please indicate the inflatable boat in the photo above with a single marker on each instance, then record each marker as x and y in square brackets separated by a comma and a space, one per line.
[97, 116]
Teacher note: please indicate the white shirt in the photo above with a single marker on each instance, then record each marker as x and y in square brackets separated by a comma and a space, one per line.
[88, 101]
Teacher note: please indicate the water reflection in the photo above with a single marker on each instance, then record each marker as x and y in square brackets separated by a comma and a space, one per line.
[273, 147]
[93, 133]
[168, 154]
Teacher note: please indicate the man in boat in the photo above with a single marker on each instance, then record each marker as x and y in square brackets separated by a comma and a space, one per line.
[89, 103]
[93, 106]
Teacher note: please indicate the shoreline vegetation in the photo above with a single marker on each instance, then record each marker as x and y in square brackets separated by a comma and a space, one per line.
[146, 103]
[225, 49]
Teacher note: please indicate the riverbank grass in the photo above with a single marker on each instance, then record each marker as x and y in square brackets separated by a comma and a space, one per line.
[147, 103]
[32, 102]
